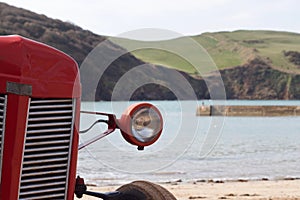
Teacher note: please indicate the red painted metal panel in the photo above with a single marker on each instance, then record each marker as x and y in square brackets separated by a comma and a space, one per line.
[50, 72]
[74, 153]
[13, 146]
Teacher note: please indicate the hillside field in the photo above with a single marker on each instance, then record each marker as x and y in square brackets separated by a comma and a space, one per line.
[228, 49]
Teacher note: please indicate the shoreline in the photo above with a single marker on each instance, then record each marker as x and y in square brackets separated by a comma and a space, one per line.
[92, 183]
[263, 189]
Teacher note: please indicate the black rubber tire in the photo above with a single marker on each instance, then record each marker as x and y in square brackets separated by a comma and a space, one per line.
[144, 190]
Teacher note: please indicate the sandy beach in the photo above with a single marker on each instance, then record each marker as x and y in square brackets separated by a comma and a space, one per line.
[240, 189]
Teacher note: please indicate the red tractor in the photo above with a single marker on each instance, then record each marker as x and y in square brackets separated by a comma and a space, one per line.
[39, 127]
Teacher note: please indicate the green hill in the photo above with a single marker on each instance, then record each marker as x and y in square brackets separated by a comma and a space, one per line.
[229, 49]
[78, 43]
[253, 64]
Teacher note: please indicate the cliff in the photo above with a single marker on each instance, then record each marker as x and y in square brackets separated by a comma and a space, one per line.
[251, 77]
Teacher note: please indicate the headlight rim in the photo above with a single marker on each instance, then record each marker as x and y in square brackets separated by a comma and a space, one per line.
[125, 124]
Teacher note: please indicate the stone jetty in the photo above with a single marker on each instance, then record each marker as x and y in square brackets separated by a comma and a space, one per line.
[247, 110]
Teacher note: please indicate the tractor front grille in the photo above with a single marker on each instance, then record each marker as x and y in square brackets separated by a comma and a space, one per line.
[2, 125]
[48, 143]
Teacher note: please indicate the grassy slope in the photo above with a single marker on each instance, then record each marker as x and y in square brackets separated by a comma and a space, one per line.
[229, 49]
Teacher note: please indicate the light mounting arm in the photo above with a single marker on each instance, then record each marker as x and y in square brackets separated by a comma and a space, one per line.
[141, 124]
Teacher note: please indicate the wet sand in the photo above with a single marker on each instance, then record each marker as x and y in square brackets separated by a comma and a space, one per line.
[240, 189]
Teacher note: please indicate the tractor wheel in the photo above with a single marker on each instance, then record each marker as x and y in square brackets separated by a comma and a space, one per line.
[144, 190]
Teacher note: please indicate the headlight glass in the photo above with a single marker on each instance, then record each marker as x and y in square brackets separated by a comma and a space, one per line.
[146, 124]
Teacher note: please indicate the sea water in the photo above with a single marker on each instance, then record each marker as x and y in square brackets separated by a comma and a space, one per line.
[193, 148]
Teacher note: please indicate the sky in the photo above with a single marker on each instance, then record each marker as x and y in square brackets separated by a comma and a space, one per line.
[186, 17]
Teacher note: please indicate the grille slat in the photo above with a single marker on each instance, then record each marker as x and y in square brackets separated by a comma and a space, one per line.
[47, 143]
[45, 160]
[2, 118]
[52, 106]
[44, 167]
[49, 196]
[51, 101]
[55, 118]
[46, 137]
[49, 130]
[41, 155]
[52, 112]
[45, 185]
[43, 173]
[47, 149]
[49, 124]
[44, 179]
[43, 149]
[43, 191]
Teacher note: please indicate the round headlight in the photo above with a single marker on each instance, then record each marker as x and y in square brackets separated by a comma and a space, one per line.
[141, 124]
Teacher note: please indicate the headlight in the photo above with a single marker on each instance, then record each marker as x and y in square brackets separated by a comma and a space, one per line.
[141, 124]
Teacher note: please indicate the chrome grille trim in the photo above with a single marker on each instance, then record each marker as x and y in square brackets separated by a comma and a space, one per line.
[51, 118]
[39, 150]
[46, 184]
[50, 130]
[42, 174]
[45, 160]
[47, 149]
[49, 101]
[49, 124]
[45, 137]
[3, 102]
[44, 179]
[51, 112]
[43, 167]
